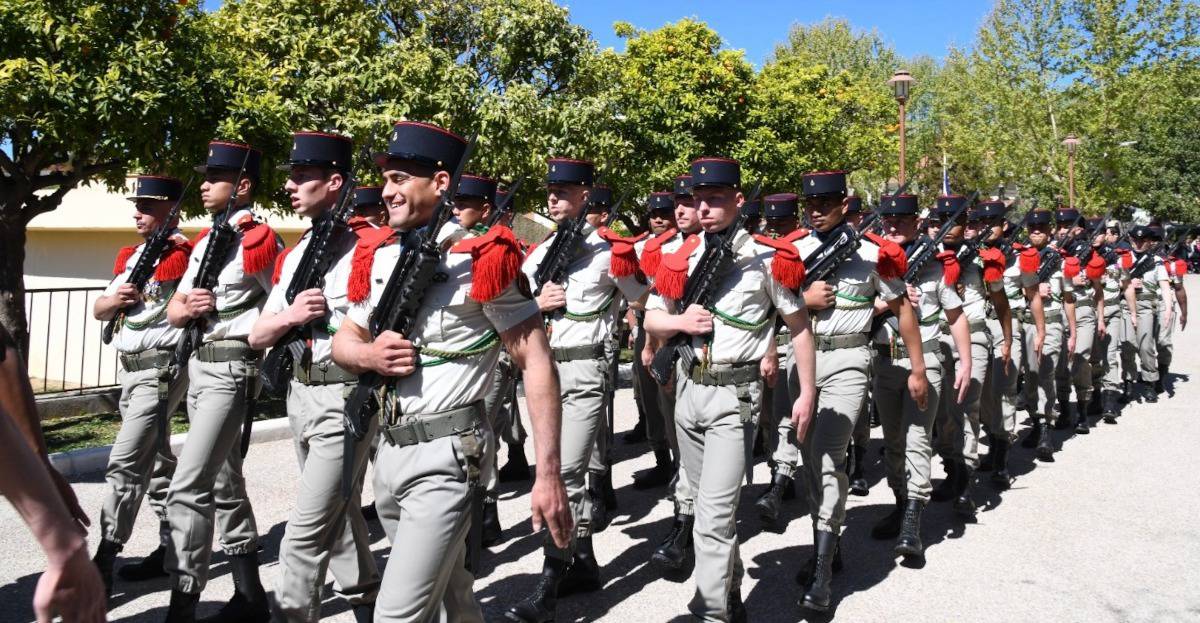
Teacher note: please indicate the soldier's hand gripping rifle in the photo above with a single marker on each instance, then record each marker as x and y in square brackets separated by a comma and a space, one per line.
[324, 246]
[566, 244]
[397, 310]
[220, 240]
[156, 245]
[701, 289]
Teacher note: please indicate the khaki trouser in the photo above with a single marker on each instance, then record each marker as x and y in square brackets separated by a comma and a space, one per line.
[1147, 339]
[584, 385]
[715, 428]
[841, 388]
[599, 462]
[998, 406]
[423, 494]
[1108, 352]
[958, 424]
[660, 403]
[503, 422]
[208, 479]
[1040, 392]
[907, 429]
[1077, 371]
[776, 417]
[141, 462]
[862, 426]
[1166, 348]
[323, 529]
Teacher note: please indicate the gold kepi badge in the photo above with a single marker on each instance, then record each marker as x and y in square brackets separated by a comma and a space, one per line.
[812, 182]
[553, 168]
[703, 171]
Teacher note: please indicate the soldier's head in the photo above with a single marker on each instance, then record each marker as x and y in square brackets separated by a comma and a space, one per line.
[716, 191]
[854, 210]
[475, 200]
[752, 210]
[986, 221]
[317, 170]
[825, 200]
[898, 215]
[686, 217]
[660, 212]
[1142, 237]
[1095, 225]
[781, 214]
[221, 173]
[600, 202]
[1067, 223]
[1112, 232]
[368, 204]
[153, 197]
[1040, 227]
[942, 211]
[417, 168]
[568, 187]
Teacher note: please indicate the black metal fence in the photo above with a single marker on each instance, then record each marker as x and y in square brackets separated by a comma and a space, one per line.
[66, 353]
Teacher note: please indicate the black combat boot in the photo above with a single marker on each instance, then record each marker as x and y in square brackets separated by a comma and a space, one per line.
[675, 550]
[149, 567]
[987, 461]
[182, 608]
[963, 504]
[819, 595]
[1034, 435]
[889, 526]
[540, 605]
[737, 610]
[583, 575]
[1045, 446]
[1150, 392]
[1000, 476]
[1159, 388]
[1081, 422]
[1127, 392]
[659, 475]
[947, 489]
[1111, 405]
[637, 434]
[517, 468]
[805, 575]
[1095, 405]
[364, 613]
[608, 494]
[106, 556]
[909, 542]
[249, 602]
[490, 531]
[1064, 420]
[858, 479]
[771, 500]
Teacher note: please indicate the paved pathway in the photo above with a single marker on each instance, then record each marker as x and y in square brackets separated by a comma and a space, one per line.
[1108, 532]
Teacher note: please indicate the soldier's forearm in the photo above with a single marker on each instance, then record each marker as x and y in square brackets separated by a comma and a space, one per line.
[960, 330]
[910, 333]
[529, 348]
[660, 324]
[351, 347]
[177, 313]
[106, 307]
[268, 329]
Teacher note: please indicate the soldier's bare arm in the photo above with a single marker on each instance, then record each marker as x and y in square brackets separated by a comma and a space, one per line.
[388, 354]
[1039, 317]
[106, 307]
[1004, 313]
[804, 351]
[185, 307]
[910, 332]
[308, 306]
[960, 331]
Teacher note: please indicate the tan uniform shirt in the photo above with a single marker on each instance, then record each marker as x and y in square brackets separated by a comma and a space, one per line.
[145, 325]
[336, 302]
[856, 283]
[935, 296]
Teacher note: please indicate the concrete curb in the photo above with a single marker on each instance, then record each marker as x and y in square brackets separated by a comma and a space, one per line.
[88, 460]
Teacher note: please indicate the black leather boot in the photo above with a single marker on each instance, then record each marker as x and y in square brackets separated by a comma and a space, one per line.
[540, 605]
[182, 608]
[106, 556]
[637, 434]
[805, 575]
[947, 489]
[675, 550]
[737, 610]
[1095, 406]
[1033, 436]
[517, 467]
[1150, 393]
[819, 595]
[1000, 476]
[858, 479]
[769, 503]
[1081, 421]
[1064, 420]
[889, 526]
[1159, 388]
[1111, 405]
[147, 568]
[1045, 446]
[490, 531]
[583, 575]
[909, 542]
[249, 602]
[657, 476]
[1127, 391]
[987, 461]
[364, 613]
[963, 504]
[608, 494]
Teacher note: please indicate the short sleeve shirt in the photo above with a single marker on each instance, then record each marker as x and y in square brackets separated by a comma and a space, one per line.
[856, 283]
[337, 279]
[145, 325]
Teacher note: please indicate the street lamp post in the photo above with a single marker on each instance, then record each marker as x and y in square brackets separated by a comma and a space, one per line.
[900, 82]
[1072, 143]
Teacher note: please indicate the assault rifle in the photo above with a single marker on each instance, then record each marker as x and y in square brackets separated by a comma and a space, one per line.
[701, 289]
[926, 248]
[504, 207]
[397, 311]
[838, 246]
[152, 252]
[562, 251]
[324, 246]
[1081, 246]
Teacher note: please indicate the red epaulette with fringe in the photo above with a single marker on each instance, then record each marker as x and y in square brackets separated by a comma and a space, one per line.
[1181, 268]
[1071, 267]
[1126, 260]
[671, 278]
[1095, 266]
[370, 238]
[495, 261]
[892, 263]
[787, 267]
[652, 252]
[1028, 260]
[950, 267]
[123, 256]
[993, 264]
[277, 274]
[260, 245]
[174, 261]
[623, 260]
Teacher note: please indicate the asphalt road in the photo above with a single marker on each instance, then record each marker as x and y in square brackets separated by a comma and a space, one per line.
[1107, 532]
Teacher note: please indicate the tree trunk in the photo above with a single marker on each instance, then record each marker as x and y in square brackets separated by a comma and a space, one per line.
[12, 272]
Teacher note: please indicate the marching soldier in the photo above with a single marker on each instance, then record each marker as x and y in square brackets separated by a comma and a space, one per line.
[1176, 269]
[958, 422]
[582, 317]
[428, 462]
[141, 461]
[781, 222]
[1075, 369]
[1112, 353]
[1058, 306]
[718, 372]
[907, 423]
[222, 387]
[508, 416]
[844, 307]
[1153, 291]
[324, 528]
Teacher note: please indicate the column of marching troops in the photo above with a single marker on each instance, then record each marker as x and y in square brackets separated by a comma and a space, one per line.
[1061, 316]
